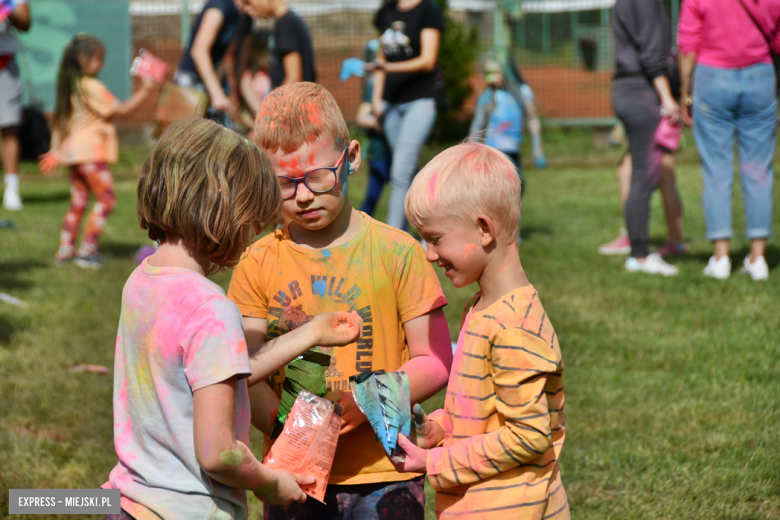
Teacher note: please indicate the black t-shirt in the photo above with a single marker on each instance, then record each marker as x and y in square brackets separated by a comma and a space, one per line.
[400, 33]
[290, 35]
[233, 22]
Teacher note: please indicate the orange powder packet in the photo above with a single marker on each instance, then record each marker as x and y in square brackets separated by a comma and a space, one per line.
[308, 441]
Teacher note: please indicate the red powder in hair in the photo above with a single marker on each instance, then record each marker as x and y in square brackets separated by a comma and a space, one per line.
[432, 186]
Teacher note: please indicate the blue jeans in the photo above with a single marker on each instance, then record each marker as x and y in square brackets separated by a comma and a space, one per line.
[407, 127]
[741, 101]
[378, 175]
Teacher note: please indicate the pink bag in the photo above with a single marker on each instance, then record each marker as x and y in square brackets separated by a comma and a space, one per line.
[668, 135]
[147, 65]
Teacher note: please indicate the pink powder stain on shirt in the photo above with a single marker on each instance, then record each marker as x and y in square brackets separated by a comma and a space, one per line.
[125, 435]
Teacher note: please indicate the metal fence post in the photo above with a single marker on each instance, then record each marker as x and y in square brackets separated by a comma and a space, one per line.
[185, 23]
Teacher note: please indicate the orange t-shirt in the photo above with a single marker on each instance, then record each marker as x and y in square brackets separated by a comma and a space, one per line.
[91, 137]
[382, 274]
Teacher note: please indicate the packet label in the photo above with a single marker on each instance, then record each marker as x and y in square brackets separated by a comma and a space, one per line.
[307, 442]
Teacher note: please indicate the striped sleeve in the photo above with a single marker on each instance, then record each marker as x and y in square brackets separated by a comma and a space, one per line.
[522, 364]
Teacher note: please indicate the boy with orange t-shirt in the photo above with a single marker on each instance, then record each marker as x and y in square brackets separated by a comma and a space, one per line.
[502, 429]
[331, 257]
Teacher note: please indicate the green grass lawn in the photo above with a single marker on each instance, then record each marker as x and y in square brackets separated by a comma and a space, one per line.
[672, 385]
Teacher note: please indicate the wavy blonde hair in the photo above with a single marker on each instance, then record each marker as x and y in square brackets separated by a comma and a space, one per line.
[465, 181]
[210, 188]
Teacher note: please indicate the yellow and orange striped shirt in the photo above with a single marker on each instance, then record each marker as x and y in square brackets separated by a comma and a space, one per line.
[502, 417]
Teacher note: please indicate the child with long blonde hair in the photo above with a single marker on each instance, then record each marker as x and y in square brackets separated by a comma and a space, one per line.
[182, 369]
[84, 140]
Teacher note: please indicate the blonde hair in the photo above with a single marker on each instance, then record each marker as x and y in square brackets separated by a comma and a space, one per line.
[464, 181]
[209, 187]
[298, 113]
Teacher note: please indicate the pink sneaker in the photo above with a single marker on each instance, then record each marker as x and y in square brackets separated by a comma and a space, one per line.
[672, 249]
[620, 246]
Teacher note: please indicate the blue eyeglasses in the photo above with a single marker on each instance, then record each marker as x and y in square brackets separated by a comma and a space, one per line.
[319, 180]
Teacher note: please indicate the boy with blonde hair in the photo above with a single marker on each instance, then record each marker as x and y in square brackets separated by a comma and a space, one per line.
[502, 425]
[330, 256]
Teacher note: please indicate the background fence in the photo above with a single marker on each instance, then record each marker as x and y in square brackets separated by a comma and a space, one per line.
[563, 47]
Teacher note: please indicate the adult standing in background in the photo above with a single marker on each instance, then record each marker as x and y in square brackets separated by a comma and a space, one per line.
[11, 99]
[405, 88]
[639, 94]
[212, 33]
[291, 57]
[734, 90]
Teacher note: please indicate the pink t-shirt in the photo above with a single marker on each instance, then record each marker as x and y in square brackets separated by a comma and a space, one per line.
[722, 33]
[178, 332]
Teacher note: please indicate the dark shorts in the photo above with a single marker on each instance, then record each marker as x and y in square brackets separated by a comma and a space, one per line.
[383, 501]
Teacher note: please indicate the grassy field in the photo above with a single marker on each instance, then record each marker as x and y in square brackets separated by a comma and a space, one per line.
[672, 384]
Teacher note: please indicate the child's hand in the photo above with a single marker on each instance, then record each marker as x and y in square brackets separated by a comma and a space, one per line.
[351, 416]
[147, 83]
[336, 329]
[48, 163]
[416, 458]
[425, 433]
[287, 489]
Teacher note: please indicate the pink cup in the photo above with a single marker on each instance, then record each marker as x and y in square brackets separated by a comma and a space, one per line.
[668, 135]
[147, 65]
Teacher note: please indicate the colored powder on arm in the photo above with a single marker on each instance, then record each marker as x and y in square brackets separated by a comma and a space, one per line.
[231, 457]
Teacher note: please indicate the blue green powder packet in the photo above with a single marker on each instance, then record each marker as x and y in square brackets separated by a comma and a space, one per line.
[384, 398]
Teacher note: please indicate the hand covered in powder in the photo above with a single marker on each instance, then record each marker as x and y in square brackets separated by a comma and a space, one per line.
[285, 490]
[336, 329]
[48, 163]
[416, 460]
[425, 433]
[351, 416]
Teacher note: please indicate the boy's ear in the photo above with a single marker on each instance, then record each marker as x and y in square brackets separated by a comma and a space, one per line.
[487, 230]
[353, 156]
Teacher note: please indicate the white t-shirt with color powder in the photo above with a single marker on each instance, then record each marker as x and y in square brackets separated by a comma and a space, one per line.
[178, 332]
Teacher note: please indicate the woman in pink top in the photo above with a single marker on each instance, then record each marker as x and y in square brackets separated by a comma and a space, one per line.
[734, 91]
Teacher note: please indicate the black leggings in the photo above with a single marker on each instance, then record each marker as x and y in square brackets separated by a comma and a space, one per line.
[636, 104]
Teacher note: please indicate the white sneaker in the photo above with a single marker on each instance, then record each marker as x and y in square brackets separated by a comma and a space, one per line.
[720, 269]
[653, 264]
[11, 199]
[757, 270]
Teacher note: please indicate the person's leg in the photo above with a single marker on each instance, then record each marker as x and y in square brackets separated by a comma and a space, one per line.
[639, 109]
[621, 245]
[407, 140]
[623, 174]
[383, 501]
[79, 196]
[671, 199]
[756, 137]
[378, 173]
[10, 119]
[714, 105]
[101, 183]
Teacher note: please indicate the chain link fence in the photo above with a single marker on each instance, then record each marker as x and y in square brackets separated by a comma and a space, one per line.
[563, 48]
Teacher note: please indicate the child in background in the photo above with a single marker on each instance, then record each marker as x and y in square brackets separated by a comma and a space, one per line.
[379, 155]
[181, 373]
[501, 111]
[502, 424]
[328, 257]
[255, 82]
[291, 57]
[84, 139]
